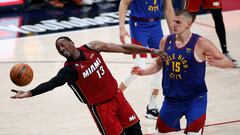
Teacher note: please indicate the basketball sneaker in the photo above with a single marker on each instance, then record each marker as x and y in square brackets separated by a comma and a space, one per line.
[152, 113]
[236, 64]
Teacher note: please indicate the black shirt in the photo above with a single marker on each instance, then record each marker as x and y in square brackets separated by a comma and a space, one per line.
[66, 74]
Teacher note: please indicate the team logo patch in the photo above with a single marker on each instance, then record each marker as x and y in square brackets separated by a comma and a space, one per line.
[188, 50]
[82, 66]
[169, 48]
[216, 4]
[132, 118]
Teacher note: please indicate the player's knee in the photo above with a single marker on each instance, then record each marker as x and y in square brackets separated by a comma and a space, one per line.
[162, 127]
[197, 125]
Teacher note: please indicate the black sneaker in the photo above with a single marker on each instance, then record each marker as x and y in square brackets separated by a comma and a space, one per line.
[152, 113]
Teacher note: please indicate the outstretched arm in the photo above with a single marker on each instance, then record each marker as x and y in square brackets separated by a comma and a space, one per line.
[66, 74]
[118, 48]
[207, 51]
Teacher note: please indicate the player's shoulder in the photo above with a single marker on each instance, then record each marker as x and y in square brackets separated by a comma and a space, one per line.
[202, 40]
[164, 39]
[204, 43]
[94, 45]
[163, 42]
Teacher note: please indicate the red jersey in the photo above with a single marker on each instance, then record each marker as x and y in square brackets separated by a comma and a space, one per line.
[194, 5]
[95, 83]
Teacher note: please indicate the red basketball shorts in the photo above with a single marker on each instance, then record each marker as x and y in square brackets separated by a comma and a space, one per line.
[112, 116]
[194, 5]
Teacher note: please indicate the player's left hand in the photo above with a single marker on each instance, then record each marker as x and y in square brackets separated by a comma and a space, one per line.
[209, 58]
[137, 70]
[20, 94]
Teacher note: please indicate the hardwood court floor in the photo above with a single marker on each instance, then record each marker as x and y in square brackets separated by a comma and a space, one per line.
[59, 112]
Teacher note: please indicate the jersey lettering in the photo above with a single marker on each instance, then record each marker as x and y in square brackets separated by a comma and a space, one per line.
[177, 64]
[92, 68]
[154, 7]
[100, 72]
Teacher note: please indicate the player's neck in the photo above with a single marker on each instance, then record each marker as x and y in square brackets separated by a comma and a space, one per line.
[183, 38]
[76, 54]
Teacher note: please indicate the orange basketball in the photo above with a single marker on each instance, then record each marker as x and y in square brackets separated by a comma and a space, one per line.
[21, 74]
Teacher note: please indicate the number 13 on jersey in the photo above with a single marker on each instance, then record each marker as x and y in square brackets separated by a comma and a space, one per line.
[100, 72]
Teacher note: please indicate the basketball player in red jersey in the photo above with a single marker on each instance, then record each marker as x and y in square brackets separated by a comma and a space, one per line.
[85, 66]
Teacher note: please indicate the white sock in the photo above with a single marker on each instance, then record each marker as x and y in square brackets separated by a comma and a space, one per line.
[153, 102]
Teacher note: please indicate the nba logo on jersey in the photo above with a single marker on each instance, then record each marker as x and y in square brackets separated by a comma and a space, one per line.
[82, 66]
[188, 50]
[77, 65]
[169, 48]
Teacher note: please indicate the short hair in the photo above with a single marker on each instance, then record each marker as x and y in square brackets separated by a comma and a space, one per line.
[64, 37]
[186, 14]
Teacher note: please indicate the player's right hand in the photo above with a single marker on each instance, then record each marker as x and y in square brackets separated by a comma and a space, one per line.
[137, 71]
[20, 94]
[123, 34]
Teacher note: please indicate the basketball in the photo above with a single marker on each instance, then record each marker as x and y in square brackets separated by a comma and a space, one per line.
[21, 74]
